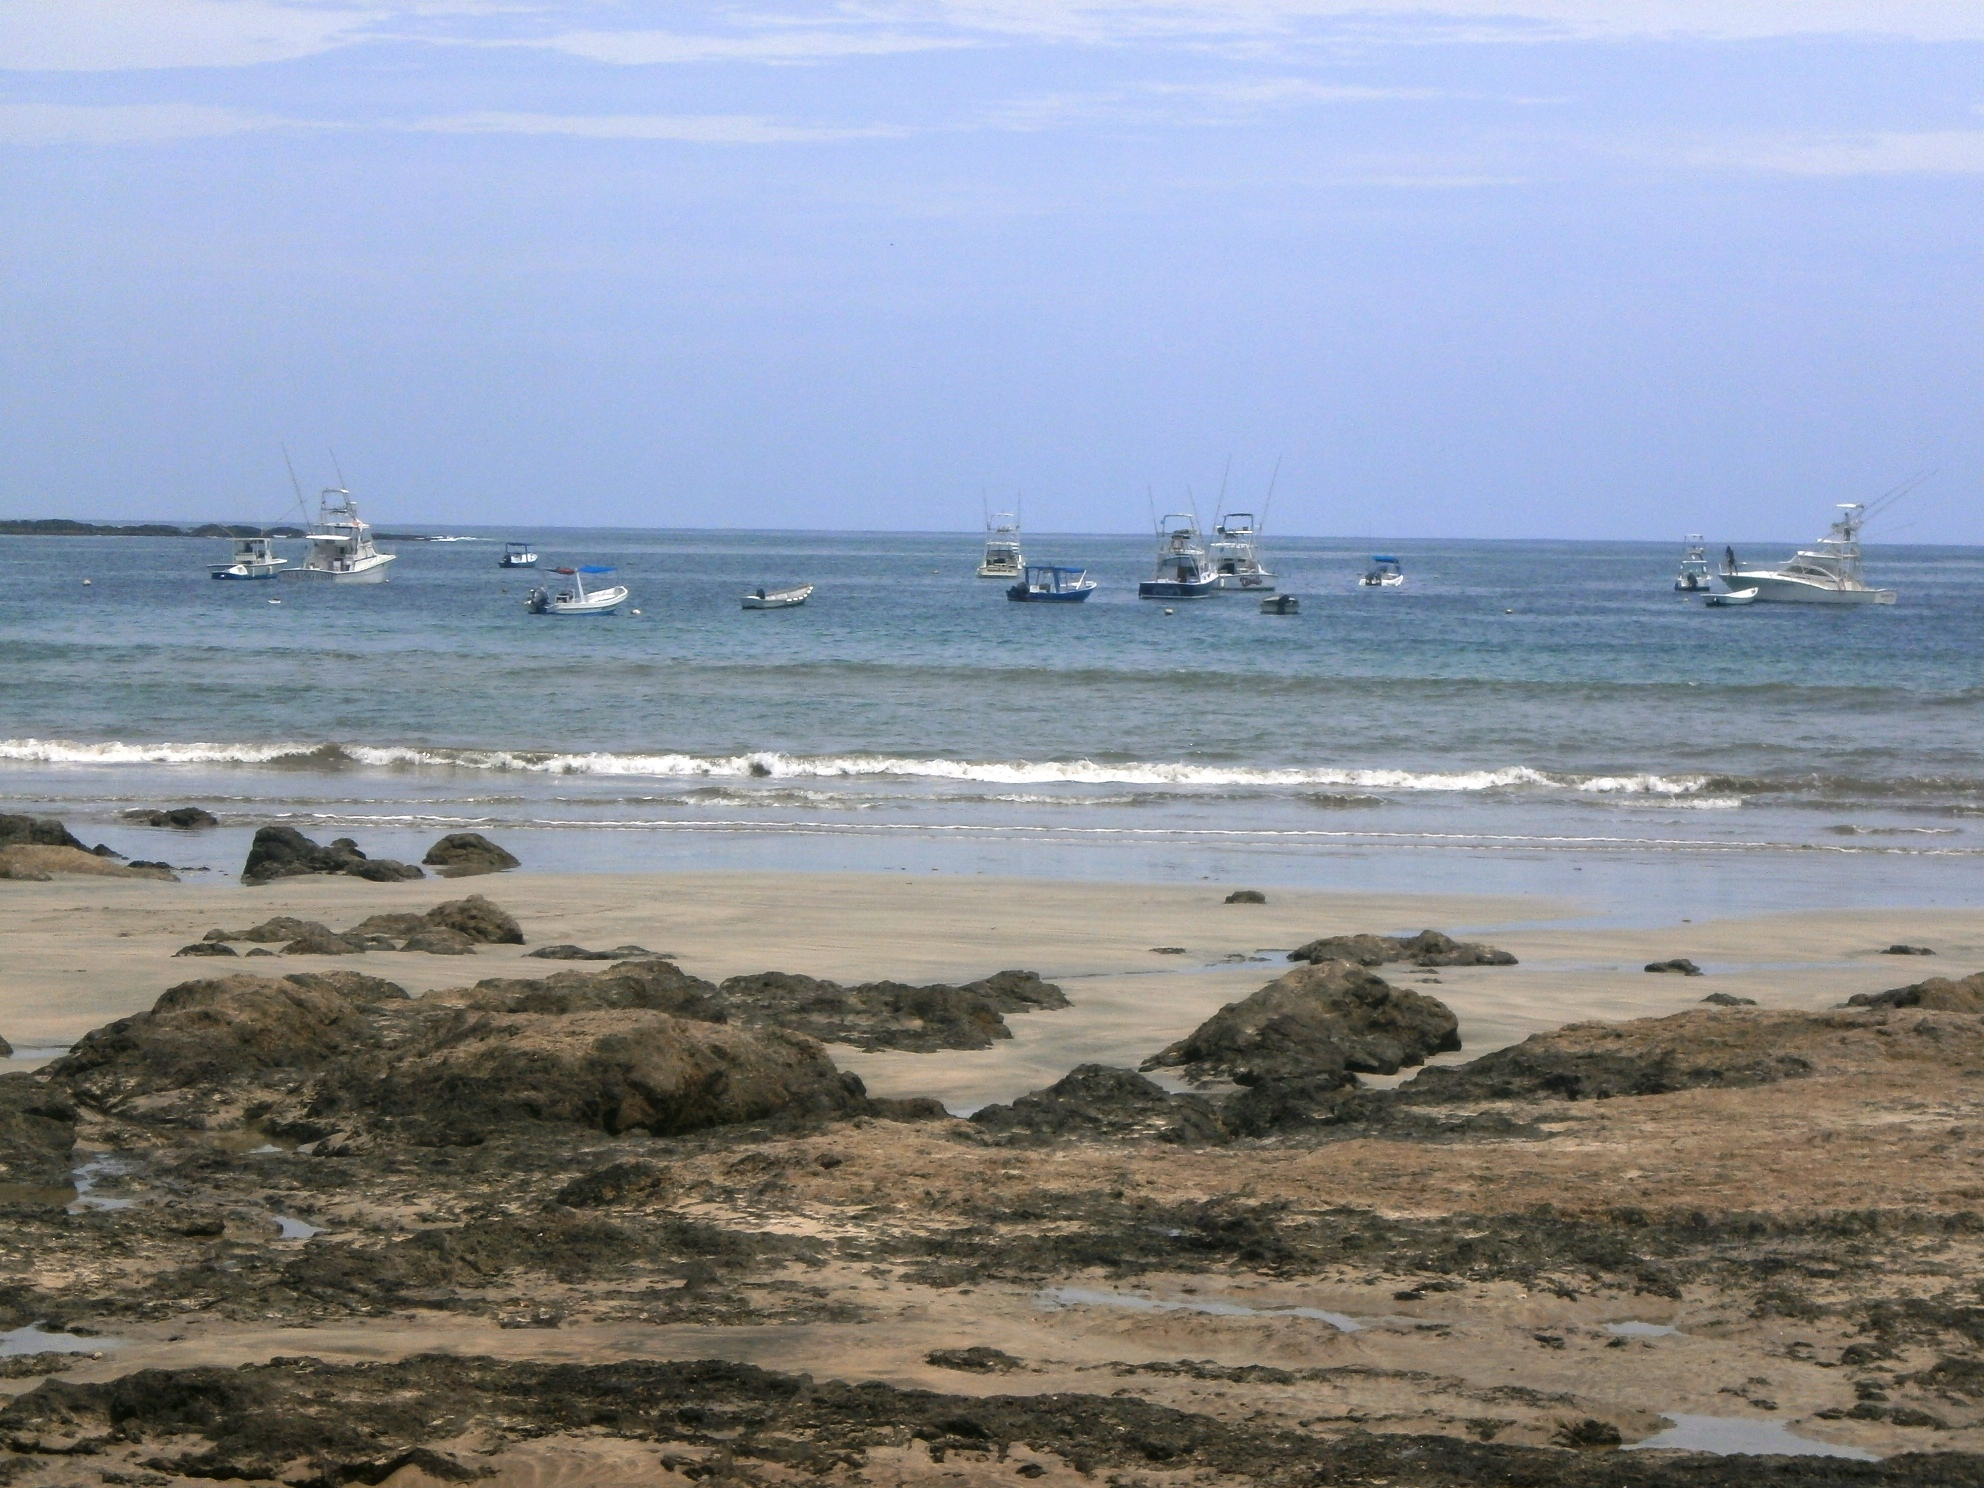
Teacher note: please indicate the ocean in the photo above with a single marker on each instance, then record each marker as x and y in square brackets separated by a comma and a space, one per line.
[1545, 718]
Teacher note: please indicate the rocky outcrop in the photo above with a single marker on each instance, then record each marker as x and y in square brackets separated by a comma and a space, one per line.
[207, 948]
[36, 862]
[321, 942]
[1680, 965]
[1938, 993]
[1899, 949]
[284, 852]
[889, 1015]
[37, 1129]
[205, 1041]
[1729, 999]
[580, 953]
[1246, 896]
[461, 854]
[180, 818]
[1094, 1100]
[658, 986]
[6, 1049]
[1316, 1023]
[619, 1071]
[1427, 948]
[35, 831]
[1649, 1056]
[439, 940]
[478, 919]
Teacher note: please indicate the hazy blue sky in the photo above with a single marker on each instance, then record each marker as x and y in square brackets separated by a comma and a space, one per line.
[1490, 268]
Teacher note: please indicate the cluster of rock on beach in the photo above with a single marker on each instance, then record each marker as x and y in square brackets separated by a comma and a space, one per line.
[534, 1226]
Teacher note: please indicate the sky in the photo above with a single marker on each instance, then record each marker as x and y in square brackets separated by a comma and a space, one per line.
[1464, 268]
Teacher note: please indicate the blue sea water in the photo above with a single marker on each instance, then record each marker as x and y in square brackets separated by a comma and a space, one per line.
[1530, 716]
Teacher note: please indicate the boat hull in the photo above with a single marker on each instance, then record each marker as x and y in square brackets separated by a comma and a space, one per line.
[366, 573]
[779, 599]
[1176, 589]
[234, 576]
[1020, 594]
[1777, 589]
[1251, 583]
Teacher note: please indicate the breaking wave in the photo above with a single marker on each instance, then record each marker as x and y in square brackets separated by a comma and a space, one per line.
[774, 765]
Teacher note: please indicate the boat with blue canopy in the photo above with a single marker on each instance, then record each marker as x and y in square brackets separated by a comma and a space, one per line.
[1046, 583]
[578, 600]
[1384, 573]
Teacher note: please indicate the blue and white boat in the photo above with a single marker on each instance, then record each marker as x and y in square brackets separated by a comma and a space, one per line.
[577, 600]
[1384, 573]
[1182, 570]
[1046, 583]
[517, 555]
[254, 558]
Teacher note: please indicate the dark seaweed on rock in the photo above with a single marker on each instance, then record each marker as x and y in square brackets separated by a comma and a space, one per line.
[1427, 948]
[365, 1422]
[1315, 1024]
[890, 1015]
[1940, 994]
[37, 1129]
[1094, 1100]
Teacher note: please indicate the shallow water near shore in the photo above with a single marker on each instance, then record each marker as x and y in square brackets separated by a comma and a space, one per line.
[1609, 739]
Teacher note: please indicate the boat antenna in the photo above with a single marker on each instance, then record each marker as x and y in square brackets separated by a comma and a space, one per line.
[1268, 505]
[335, 466]
[1219, 514]
[1150, 496]
[1888, 498]
[296, 486]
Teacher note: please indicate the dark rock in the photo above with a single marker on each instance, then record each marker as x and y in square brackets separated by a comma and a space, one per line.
[1587, 1435]
[1018, 992]
[874, 1015]
[207, 948]
[978, 1359]
[105, 850]
[616, 1071]
[1596, 1061]
[277, 931]
[1729, 999]
[1094, 1100]
[284, 852]
[478, 919]
[1246, 896]
[627, 1182]
[320, 942]
[37, 1129]
[203, 1037]
[460, 854]
[155, 865]
[395, 926]
[1679, 964]
[1270, 1107]
[1899, 949]
[659, 986]
[32, 831]
[439, 940]
[181, 818]
[580, 953]
[6, 1049]
[1315, 1023]
[1937, 993]
[1427, 948]
[1167, 950]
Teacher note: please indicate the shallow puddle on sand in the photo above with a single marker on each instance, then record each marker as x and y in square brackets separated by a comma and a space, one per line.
[31, 1340]
[1084, 1297]
[1737, 1435]
[1642, 1330]
[296, 1229]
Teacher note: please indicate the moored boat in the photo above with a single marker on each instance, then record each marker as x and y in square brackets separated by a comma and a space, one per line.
[1049, 584]
[1733, 598]
[254, 558]
[1002, 559]
[577, 600]
[341, 549]
[1235, 554]
[1694, 577]
[1281, 604]
[778, 599]
[1182, 570]
[517, 555]
[1384, 573]
[1826, 573]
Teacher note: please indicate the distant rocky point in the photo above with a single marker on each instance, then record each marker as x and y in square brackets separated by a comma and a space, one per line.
[63, 527]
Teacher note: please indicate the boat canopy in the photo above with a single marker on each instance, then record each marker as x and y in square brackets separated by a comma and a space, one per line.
[1383, 558]
[589, 568]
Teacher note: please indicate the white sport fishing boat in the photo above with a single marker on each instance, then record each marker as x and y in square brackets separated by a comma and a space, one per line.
[1002, 559]
[1694, 577]
[1236, 554]
[341, 550]
[1182, 570]
[577, 600]
[1827, 573]
[254, 558]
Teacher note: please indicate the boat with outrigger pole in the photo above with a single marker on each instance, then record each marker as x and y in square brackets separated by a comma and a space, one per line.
[1830, 571]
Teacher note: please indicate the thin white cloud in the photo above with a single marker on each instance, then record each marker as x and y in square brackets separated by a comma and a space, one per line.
[125, 124]
[707, 129]
[1935, 152]
[123, 35]
[805, 45]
